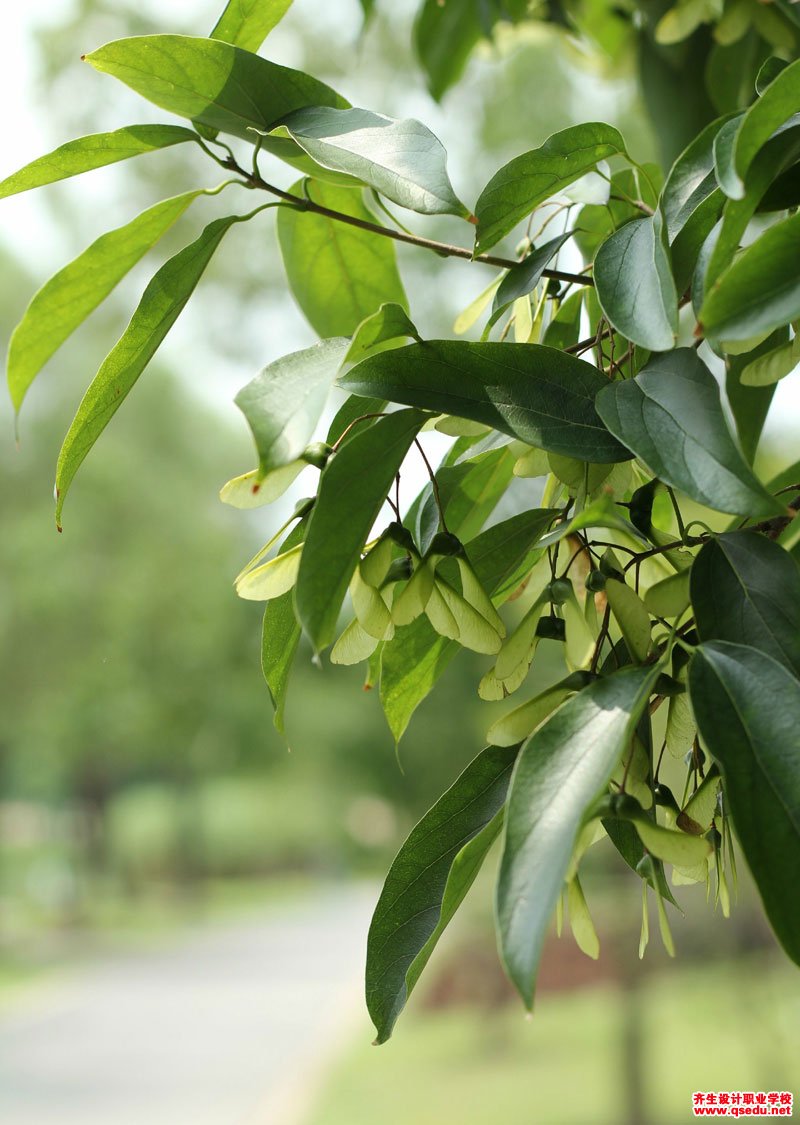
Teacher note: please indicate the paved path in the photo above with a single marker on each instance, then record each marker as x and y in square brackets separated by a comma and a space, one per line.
[228, 1028]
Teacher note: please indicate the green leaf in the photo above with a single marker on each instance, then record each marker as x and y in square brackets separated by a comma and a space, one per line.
[389, 323]
[671, 417]
[352, 491]
[528, 180]
[416, 658]
[535, 393]
[75, 291]
[445, 35]
[280, 636]
[669, 846]
[760, 291]
[632, 618]
[428, 880]
[748, 710]
[563, 331]
[670, 597]
[559, 773]
[634, 284]
[247, 23]
[208, 81]
[515, 726]
[338, 273]
[402, 160]
[746, 589]
[95, 151]
[736, 150]
[524, 278]
[285, 401]
[766, 366]
[162, 303]
[750, 404]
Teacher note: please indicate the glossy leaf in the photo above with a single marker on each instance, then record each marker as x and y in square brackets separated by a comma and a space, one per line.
[559, 773]
[671, 417]
[95, 151]
[338, 273]
[528, 180]
[634, 284]
[285, 401]
[402, 160]
[746, 589]
[760, 291]
[351, 493]
[211, 82]
[428, 880]
[748, 710]
[529, 391]
[75, 291]
[247, 23]
[160, 306]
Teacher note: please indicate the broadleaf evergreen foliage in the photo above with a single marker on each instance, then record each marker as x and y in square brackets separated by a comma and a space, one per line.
[595, 374]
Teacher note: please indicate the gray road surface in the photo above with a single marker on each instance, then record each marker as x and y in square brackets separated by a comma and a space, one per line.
[230, 1027]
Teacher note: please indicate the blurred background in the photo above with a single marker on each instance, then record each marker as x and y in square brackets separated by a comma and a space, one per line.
[184, 894]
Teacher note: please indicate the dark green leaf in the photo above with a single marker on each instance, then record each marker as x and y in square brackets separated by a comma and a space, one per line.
[280, 636]
[564, 329]
[671, 417]
[760, 291]
[746, 589]
[560, 771]
[769, 70]
[526, 181]
[634, 284]
[524, 278]
[352, 409]
[530, 391]
[285, 401]
[747, 708]
[428, 880]
[597, 221]
[750, 404]
[75, 291]
[95, 151]
[338, 273]
[247, 23]
[389, 323]
[445, 35]
[352, 491]
[402, 160]
[212, 82]
[160, 306]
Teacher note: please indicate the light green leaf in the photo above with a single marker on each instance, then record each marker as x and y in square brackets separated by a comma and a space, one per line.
[354, 644]
[632, 618]
[285, 401]
[338, 273]
[162, 302]
[773, 366]
[669, 846]
[746, 589]
[428, 880]
[254, 490]
[528, 180]
[389, 323]
[748, 710]
[280, 636]
[473, 630]
[580, 920]
[402, 160]
[760, 291]
[559, 773]
[535, 393]
[520, 723]
[270, 579]
[75, 291]
[671, 417]
[247, 23]
[352, 491]
[670, 597]
[634, 284]
[779, 101]
[214, 83]
[95, 151]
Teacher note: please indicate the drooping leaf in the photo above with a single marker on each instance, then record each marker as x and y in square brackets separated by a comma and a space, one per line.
[390, 322]
[75, 291]
[631, 616]
[748, 710]
[779, 101]
[247, 23]
[95, 151]
[402, 160]
[280, 636]
[750, 404]
[211, 82]
[563, 331]
[559, 773]
[760, 291]
[670, 596]
[526, 181]
[339, 274]
[524, 278]
[634, 284]
[351, 493]
[529, 391]
[285, 401]
[445, 35]
[160, 306]
[671, 417]
[746, 589]
[428, 880]
[518, 724]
